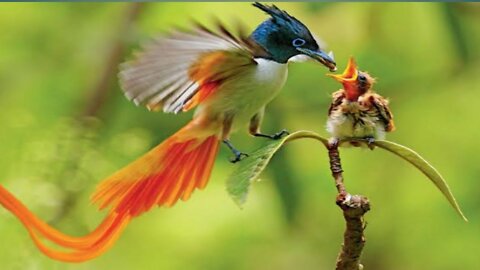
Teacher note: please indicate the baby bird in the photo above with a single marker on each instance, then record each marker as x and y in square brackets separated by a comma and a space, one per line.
[357, 112]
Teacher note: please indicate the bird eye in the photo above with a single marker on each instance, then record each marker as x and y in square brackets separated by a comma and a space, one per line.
[298, 42]
[362, 77]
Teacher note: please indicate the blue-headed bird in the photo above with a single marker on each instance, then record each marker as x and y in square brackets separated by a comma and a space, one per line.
[356, 111]
[228, 78]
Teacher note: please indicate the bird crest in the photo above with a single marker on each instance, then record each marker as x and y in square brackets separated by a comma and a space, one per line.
[281, 17]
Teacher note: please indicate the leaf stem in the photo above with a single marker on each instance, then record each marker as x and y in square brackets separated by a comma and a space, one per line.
[306, 134]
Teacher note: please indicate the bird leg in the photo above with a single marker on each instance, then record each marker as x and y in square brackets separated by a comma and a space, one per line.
[370, 140]
[255, 123]
[275, 136]
[227, 126]
[238, 155]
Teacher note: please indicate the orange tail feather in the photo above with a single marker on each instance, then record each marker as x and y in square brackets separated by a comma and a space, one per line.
[101, 245]
[170, 171]
[84, 247]
[31, 221]
[167, 173]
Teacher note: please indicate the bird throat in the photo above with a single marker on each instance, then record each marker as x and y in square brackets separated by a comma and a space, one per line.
[352, 91]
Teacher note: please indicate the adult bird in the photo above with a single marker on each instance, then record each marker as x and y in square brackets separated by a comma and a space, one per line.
[228, 79]
[357, 112]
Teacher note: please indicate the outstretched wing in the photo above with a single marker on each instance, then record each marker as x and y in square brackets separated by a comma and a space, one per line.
[384, 113]
[177, 72]
[337, 99]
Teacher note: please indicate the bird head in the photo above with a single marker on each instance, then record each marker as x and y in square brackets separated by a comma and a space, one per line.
[283, 37]
[355, 82]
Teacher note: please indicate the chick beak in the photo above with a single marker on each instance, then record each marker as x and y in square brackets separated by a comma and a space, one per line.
[349, 75]
[320, 56]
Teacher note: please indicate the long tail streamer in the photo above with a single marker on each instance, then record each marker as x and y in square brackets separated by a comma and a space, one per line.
[169, 172]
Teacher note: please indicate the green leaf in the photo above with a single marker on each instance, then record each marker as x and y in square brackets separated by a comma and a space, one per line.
[420, 163]
[248, 170]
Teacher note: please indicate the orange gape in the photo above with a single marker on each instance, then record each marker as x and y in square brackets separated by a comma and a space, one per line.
[170, 171]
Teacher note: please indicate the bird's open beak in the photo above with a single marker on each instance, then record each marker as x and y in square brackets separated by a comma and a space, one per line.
[320, 56]
[349, 75]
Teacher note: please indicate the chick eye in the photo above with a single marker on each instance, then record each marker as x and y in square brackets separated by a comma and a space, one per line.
[298, 42]
[362, 77]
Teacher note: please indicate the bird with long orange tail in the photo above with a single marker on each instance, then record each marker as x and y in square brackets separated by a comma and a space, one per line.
[357, 112]
[228, 78]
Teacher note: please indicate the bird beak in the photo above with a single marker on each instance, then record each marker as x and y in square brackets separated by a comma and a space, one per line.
[349, 75]
[320, 56]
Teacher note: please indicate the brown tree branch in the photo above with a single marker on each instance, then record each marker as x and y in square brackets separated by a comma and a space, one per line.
[101, 89]
[97, 99]
[354, 208]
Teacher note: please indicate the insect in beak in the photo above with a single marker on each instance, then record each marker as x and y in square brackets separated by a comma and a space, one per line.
[320, 56]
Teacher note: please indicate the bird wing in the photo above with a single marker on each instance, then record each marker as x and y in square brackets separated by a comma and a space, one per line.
[384, 113]
[177, 72]
[338, 97]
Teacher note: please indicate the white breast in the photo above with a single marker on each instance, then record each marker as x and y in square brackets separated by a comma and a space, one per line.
[270, 73]
[248, 92]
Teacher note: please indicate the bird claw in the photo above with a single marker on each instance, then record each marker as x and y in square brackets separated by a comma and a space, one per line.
[238, 157]
[370, 142]
[280, 134]
[275, 136]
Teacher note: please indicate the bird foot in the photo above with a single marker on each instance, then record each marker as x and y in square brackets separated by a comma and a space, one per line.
[370, 142]
[238, 157]
[275, 136]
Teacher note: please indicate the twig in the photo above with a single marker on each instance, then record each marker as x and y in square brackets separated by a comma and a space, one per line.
[336, 167]
[101, 89]
[354, 208]
[97, 99]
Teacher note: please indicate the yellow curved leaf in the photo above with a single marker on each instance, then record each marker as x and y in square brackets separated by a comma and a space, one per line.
[420, 163]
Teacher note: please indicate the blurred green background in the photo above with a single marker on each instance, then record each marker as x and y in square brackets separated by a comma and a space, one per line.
[65, 126]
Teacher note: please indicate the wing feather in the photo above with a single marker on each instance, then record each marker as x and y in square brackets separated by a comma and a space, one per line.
[169, 72]
[158, 97]
[385, 115]
[177, 101]
[337, 99]
[141, 91]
